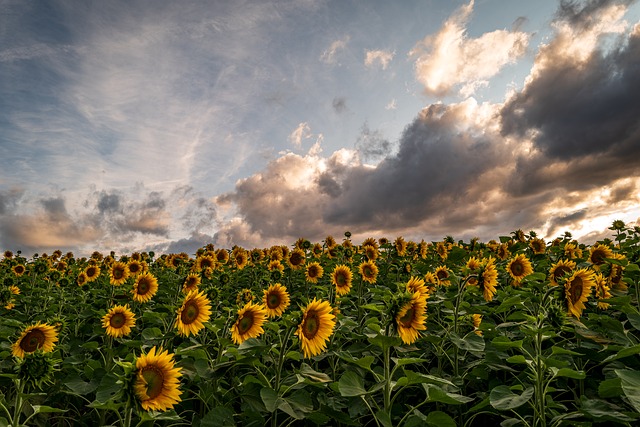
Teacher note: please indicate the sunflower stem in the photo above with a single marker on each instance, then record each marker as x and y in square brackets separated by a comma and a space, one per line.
[127, 415]
[17, 410]
[387, 379]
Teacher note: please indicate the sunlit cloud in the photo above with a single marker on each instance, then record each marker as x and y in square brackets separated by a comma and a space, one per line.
[330, 56]
[378, 57]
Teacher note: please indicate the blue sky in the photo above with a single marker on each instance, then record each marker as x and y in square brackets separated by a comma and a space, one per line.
[161, 125]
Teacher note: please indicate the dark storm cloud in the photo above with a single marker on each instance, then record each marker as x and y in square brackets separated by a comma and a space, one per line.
[585, 14]
[566, 220]
[576, 109]
[8, 199]
[108, 202]
[118, 213]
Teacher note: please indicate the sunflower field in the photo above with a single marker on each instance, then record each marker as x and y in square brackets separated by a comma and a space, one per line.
[514, 331]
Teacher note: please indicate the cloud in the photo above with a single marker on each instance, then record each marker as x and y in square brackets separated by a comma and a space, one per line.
[380, 57]
[449, 59]
[330, 56]
[392, 105]
[372, 145]
[302, 132]
[339, 104]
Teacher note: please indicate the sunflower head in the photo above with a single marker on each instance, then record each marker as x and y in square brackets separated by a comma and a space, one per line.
[119, 273]
[194, 312]
[157, 380]
[341, 279]
[40, 336]
[577, 290]
[276, 300]
[318, 322]
[598, 253]
[191, 282]
[296, 259]
[314, 272]
[118, 321]
[519, 267]
[369, 271]
[249, 322]
[145, 287]
[410, 318]
[36, 369]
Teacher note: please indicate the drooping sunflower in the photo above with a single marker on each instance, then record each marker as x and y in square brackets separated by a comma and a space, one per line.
[411, 317]
[275, 300]
[502, 251]
[488, 279]
[519, 267]
[145, 287]
[577, 290]
[157, 380]
[369, 271]
[296, 259]
[118, 321]
[249, 323]
[341, 279]
[602, 290]
[18, 269]
[40, 336]
[598, 253]
[118, 273]
[82, 278]
[92, 272]
[191, 282]
[314, 272]
[477, 320]
[7, 297]
[442, 275]
[194, 311]
[616, 274]
[318, 322]
[571, 251]
[559, 269]
[400, 245]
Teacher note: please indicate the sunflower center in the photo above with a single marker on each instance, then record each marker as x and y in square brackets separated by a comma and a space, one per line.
[118, 273]
[313, 272]
[189, 313]
[597, 257]
[560, 271]
[407, 318]
[117, 321]
[245, 323]
[576, 289]
[442, 274]
[143, 287]
[295, 259]
[91, 272]
[32, 341]
[368, 272]
[517, 269]
[311, 325]
[341, 280]
[273, 300]
[155, 381]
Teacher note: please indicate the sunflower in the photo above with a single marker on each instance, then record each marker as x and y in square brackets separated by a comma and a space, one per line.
[275, 265]
[241, 259]
[488, 279]
[296, 259]
[275, 300]
[92, 272]
[10, 292]
[597, 254]
[39, 336]
[222, 256]
[118, 321]
[316, 250]
[82, 278]
[135, 267]
[191, 282]
[602, 290]
[442, 251]
[560, 269]
[316, 327]
[341, 279]
[204, 262]
[157, 380]
[442, 275]
[369, 271]
[473, 263]
[577, 290]
[314, 272]
[416, 284]
[571, 251]
[519, 267]
[502, 251]
[538, 246]
[476, 319]
[616, 274]
[249, 323]
[400, 245]
[330, 242]
[195, 310]
[119, 273]
[411, 317]
[145, 287]
[18, 269]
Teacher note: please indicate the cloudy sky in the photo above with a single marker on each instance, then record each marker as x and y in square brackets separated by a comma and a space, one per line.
[164, 125]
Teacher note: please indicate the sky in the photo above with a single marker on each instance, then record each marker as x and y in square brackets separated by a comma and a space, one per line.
[163, 125]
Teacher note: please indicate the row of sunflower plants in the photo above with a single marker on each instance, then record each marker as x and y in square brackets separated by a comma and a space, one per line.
[514, 331]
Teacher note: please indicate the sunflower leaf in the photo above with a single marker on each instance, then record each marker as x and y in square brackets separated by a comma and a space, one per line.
[351, 384]
[503, 399]
[630, 385]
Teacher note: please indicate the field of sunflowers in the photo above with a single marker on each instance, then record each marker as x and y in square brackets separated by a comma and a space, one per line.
[514, 331]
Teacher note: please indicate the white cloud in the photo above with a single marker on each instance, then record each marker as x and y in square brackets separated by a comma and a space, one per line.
[381, 57]
[449, 58]
[302, 132]
[392, 105]
[330, 56]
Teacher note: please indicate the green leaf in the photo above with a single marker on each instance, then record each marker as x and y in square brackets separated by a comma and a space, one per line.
[91, 345]
[411, 378]
[610, 388]
[559, 350]
[502, 343]
[569, 373]
[269, 398]
[220, 416]
[301, 401]
[440, 419]
[351, 384]
[630, 385]
[625, 352]
[408, 360]
[436, 394]
[108, 388]
[471, 342]
[385, 342]
[152, 333]
[41, 409]
[602, 410]
[308, 372]
[78, 386]
[384, 418]
[503, 399]
[520, 359]
[363, 362]
[634, 319]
